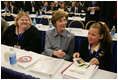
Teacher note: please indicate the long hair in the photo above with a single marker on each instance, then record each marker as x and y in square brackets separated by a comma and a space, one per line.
[103, 29]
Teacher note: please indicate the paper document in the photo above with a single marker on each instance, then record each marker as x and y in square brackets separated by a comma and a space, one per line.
[48, 66]
[27, 59]
[79, 70]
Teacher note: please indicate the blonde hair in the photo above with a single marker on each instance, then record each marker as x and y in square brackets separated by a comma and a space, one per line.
[57, 15]
[19, 15]
[103, 29]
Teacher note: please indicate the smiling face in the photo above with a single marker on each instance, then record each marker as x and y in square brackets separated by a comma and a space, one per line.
[93, 36]
[61, 24]
[23, 22]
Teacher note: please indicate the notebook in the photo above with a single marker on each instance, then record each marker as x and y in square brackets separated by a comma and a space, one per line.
[47, 66]
[79, 70]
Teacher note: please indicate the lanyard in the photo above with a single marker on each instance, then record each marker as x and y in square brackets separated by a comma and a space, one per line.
[18, 34]
[90, 52]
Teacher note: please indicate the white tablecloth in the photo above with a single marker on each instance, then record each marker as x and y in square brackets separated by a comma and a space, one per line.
[99, 74]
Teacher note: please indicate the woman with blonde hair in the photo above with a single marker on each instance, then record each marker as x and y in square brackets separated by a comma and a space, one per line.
[23, 34]
[59, 42]
[97, 48]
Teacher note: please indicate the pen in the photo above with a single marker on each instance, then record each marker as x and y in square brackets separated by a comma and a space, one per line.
[87, 66]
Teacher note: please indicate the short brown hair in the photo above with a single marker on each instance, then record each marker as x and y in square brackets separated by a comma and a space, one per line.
[19, 16]
[57, 15]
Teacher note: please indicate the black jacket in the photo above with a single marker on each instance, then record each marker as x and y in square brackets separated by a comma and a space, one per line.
[88, 15]
[104, 60]
[28, 7]
[73, 9]
[15, 10]
[30, 40]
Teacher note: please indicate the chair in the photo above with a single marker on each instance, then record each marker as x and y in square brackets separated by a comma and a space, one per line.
[76, 24]
[8, 17]
[43, 13]
[89, 23]
[71, 14]
[44, 21]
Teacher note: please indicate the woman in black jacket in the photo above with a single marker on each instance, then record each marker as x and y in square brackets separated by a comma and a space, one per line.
[22, 34]
[97, 48]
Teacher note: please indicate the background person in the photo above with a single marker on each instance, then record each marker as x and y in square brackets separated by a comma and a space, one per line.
[92, 9]
[4, 25]
[13, 8]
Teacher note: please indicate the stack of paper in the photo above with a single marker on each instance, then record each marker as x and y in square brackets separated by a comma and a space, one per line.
[47, 66]
[79, 71]
[26, 59]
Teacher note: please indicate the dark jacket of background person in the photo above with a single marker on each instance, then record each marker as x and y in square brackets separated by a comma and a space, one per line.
[2, 5]
[105, 60]
[53, 9]
[4, 25]
[57, 7]
[78, 10]
[88, 15]
[107, 12]
[20, 5]
[28, 6]
[30, 40]
[15, 10]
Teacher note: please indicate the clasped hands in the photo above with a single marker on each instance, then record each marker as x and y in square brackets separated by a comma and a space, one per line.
[92, 61]
[59, 53]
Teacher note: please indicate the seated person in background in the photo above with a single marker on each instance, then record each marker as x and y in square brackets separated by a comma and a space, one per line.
[32, 7]
[4, 25]
[63, 7]
[81, 5]
[56, 5]
[22, 34]
[6, 4]
[97, 48]
[45, 8]
[72, 7]
[75, 7]
[59, 42]
[2, 5]
[52, 8]
[92, 9]
[13, 8]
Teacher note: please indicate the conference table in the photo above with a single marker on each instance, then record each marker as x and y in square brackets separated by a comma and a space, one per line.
[81, 17]
[79, 35]
[18, 72]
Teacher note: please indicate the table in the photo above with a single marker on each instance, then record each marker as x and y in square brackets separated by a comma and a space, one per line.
[79, 35]
[26, 73]
[38, 18]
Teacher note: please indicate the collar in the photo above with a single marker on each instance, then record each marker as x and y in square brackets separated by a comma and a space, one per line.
[56, 33]
[96, 48]
[12, 7]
